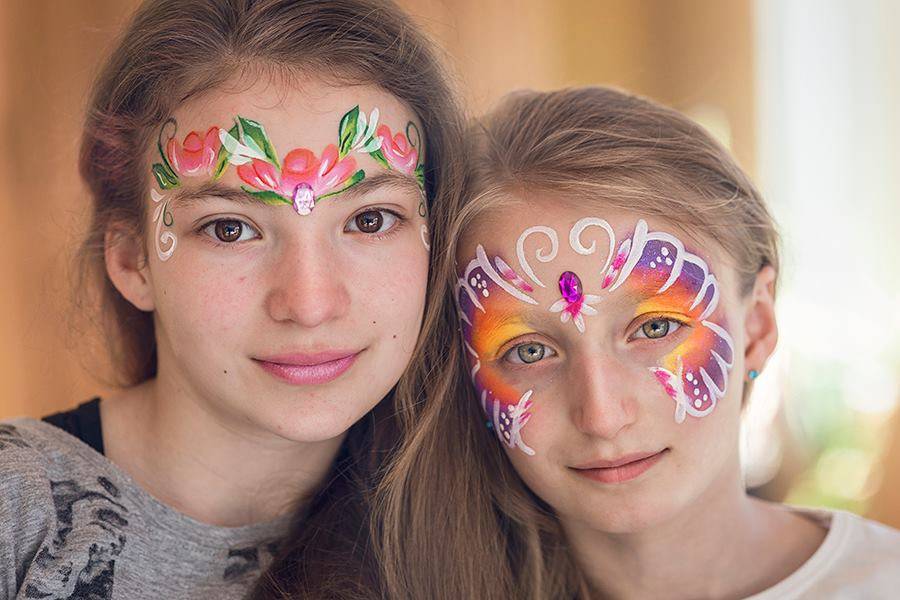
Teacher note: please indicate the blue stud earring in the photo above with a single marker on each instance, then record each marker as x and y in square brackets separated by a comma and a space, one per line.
[489, 424]
[753, 374]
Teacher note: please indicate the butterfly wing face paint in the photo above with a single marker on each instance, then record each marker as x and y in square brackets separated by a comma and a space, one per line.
[653, 266]
[486, 301]
[672, 279]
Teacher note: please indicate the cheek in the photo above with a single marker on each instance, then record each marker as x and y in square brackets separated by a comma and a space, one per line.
[210, 299]
[387, 289]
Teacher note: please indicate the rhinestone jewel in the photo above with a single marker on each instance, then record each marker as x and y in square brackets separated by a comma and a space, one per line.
[304, 200]
[570, 287]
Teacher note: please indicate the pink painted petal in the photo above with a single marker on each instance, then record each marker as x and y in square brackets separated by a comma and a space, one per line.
[338, 174]
[211, 145]
[300, 166]
[507, 273]
[259, 174]
[397, 151]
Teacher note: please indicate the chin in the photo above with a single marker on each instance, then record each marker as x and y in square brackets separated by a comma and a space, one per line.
[635, 519]
[623, 512]
[314, 419]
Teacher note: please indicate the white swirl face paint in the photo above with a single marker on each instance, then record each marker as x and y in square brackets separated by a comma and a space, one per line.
[165, 241]
[653, 265]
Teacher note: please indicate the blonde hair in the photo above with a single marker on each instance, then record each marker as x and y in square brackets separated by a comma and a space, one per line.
[457, 521]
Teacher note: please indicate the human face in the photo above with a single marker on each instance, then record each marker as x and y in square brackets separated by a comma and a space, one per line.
[287, 253]
[601, 347]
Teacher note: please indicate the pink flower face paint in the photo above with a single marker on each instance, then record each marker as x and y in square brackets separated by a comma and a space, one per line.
[654, 267]
[301, 178]
[573, 304]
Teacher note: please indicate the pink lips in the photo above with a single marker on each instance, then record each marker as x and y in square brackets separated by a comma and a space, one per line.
[308, 369]
[622, 469]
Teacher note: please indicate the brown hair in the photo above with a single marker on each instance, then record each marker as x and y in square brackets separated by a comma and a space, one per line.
[171, 51]
[458, 522]
[174, 49]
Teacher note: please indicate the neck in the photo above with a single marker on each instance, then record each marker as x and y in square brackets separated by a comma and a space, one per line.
[725, 545]
[204, 464]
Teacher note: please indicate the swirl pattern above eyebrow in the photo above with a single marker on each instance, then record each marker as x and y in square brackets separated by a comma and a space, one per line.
[162, 216]
[540, 254]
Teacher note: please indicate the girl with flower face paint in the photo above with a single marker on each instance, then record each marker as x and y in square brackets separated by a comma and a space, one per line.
[261, 199]
[613, 276]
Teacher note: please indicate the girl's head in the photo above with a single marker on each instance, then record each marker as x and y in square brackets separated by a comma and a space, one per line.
[261, 174]
[615, 283]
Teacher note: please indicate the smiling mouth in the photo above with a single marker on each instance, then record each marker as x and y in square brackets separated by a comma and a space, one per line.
[308, 369]
[621, 470]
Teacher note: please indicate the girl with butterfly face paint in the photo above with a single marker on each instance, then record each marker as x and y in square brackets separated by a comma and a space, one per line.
[614, 284]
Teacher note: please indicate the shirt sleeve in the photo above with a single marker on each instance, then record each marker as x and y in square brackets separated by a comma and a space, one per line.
[26, 507]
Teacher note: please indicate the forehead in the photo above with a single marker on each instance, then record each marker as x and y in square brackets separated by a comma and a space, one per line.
[523, 227]
[305, 111]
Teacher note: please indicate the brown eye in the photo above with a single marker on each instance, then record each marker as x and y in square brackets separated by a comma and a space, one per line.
[369, 221]
[229, 231]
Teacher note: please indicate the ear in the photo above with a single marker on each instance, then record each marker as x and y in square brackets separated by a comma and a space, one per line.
[126, 265]
[760, 325]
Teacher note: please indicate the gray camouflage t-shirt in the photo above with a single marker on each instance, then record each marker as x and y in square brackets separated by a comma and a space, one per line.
[73, 525]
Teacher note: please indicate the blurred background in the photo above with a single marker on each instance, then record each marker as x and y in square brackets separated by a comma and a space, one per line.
[805, 93]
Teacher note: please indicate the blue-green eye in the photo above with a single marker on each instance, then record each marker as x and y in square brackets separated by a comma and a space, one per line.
[529, 353]
[657, 328]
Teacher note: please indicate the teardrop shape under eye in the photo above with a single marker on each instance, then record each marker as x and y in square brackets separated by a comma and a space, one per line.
[531, 353]
[655, 329]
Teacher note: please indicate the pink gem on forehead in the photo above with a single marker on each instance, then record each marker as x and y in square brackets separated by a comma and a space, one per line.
[570, 287]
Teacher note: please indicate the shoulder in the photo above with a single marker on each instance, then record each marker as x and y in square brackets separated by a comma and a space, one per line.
[36, 458]
[27, 514]
[868, 541]
[859, 558]
[30, 447]
[23, 458]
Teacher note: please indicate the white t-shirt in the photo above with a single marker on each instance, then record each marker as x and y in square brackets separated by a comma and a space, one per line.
[859, 558]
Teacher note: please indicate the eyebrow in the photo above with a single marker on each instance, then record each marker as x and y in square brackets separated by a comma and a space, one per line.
[185, 197]
[382, 179]
[189, 197]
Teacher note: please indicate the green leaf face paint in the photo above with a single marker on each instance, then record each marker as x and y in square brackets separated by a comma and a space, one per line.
[301, 177]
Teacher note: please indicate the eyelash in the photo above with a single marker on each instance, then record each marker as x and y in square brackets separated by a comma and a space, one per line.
[398, 224]
[639, 329]
[510, 354]
[505, 355]
[213, 239]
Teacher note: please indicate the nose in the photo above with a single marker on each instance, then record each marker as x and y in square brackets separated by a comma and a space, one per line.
[307, 285]
[604, 397]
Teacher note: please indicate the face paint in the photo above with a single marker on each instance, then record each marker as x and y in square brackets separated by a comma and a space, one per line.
[695, 373]
[487, 312]
[650, 265]
[574, 303]
[302, 178]
[162, 216]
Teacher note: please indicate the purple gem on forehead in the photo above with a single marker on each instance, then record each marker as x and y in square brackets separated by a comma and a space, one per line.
[570, 287]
